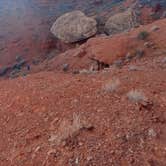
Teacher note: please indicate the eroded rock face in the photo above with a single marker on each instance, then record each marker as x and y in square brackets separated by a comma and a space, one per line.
[120, 22]
[74, 26]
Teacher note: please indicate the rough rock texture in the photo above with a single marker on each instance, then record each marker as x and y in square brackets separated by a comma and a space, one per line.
[110, 49]
[120, 22]
[74, 26]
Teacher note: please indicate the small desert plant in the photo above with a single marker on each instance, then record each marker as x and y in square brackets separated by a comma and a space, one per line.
[69, 129]
[136, 96]
[111, 85]
[143, 35]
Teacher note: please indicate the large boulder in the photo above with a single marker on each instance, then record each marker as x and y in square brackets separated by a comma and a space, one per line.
[74, 26]
[120, 22]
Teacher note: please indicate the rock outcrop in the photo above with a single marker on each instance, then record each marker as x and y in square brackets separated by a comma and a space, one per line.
[111, 50]
[74, 26]
[120, 22]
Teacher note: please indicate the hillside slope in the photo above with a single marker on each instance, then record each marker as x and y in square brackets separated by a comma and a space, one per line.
[115, 116]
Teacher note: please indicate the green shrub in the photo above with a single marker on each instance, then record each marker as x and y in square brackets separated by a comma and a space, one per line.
[143, 35]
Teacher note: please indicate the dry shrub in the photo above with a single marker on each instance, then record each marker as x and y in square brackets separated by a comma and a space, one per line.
[111, 85]
[69, 129]
[136, 96]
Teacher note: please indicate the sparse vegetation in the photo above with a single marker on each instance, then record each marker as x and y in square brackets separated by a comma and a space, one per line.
[111, 85]
[136, 96]
[143, 35]
[69, 129]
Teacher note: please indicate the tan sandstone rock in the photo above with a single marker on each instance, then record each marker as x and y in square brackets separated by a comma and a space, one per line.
[120, 22]
[74, 26]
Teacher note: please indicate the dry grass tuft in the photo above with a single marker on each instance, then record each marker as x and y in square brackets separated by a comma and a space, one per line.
[136, 96]
[111, 85]
[69, 129]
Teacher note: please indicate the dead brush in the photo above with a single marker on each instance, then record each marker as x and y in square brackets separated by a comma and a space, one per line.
[69, 129]
[136, 96]
[111, 85]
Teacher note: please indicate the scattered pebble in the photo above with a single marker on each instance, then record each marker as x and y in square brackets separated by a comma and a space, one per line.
[146, 44]
[152, 133]
[140, 53]
[65, 67]
[77, 161]
[89, 158]
[118, 63]
[133, 68]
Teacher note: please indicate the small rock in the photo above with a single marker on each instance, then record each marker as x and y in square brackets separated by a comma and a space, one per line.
[65, 67]
[152, 133]
[89, 158]
[4, 70]
[155, 28]
[38, 148]
[118, 63]
[19, 64]
[128, 57]
[52, 152]
[76, 72]
[64, 143]
[18, 58]
[133, 68]
[88, 126]
[139, 53]
[154, 47]
[80, 143]
[28, 67]
[83, 71]
[77, 161]
[140, 6]
[147, 44]
[93, 67]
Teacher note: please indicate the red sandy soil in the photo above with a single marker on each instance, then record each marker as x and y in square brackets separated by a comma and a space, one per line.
[53, 118]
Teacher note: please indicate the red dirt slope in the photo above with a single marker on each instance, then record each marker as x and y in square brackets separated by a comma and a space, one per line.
[53, 119]
[58, 119]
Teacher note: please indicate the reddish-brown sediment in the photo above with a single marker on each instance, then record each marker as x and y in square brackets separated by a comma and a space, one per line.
[54, 118]
[121, 132]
